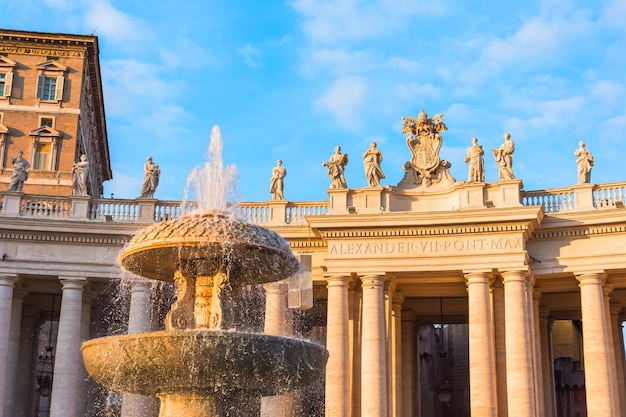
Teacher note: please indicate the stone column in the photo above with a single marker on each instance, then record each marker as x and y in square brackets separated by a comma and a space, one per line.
[547, 363]
[135, 405]
[596, 347]
[355, 303]
[410, 395]
[519, 359]
[66, 369]
[24, 386]
[612, 359]
[7, 282]
[396, 354]
[618, 343]
[337, 343]
[277, 322]
[481, 372]
[500, 346]
[13, 352]
[373, 370]
[536, 331]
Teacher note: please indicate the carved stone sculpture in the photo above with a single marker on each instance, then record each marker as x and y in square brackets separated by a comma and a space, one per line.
[372, 159]
[504, 158]
[476, 162]
[424, 141]
[585, 163]
[336, 165]
[20, 173]
[80, 175]
[277, 182]
[152, 172]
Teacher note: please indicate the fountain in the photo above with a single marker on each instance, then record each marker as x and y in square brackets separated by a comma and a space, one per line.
[206, 363]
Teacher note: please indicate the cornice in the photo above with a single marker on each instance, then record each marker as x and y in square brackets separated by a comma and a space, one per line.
[420, 231]
[46, 44]
[92, 239]
[579, 231]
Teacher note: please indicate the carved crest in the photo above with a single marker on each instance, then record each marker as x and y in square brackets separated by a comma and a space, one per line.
[424, 141]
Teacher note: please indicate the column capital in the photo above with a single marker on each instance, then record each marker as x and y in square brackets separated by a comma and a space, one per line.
[607, 289]
[537, 293]
[479, 277]
[373, 281]
[516, 275]
[338, 280]
[278, 287]
[73, 283]
[397, 299]
[8, 280]
[597, 278]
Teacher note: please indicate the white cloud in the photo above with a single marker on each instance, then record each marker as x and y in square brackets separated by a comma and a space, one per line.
[331, 21]
[188, 54]
[344, 100]
[338, 62]
[253, 56]
[105, 20]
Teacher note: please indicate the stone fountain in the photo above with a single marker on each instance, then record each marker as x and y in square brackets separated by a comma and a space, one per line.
[205, 363]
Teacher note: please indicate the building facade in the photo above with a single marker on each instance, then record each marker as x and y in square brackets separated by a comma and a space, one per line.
[434, 297]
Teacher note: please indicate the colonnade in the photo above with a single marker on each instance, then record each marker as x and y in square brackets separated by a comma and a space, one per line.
[370, 368]
[17, 326]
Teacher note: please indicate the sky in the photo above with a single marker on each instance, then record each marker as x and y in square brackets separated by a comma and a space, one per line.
[292, 79]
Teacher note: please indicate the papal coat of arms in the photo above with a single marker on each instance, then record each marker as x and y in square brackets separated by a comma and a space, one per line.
[424, 141]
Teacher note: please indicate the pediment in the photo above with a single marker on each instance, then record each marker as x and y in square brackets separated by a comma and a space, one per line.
[45, 131]
[6, 62]
[51, 65]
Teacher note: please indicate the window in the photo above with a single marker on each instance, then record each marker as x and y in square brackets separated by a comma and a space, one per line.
[6, 79]
[42, 156]
[46, 121]
[50, 88]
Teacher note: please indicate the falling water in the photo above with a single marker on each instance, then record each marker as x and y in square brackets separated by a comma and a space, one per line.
[213, 186]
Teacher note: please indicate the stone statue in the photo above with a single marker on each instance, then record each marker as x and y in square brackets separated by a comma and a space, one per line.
[585, 163]
[20, 173]
[424, 141]
[80, 173]
[476, 162]
[277, 182]
[371, 162]
[152, 172]
[336, 165]
[504, 158]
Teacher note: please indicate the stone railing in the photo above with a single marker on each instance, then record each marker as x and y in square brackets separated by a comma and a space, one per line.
[577, 198]
[286, 213]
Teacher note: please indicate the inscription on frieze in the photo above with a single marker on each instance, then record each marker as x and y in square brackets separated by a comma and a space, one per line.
[426, 246]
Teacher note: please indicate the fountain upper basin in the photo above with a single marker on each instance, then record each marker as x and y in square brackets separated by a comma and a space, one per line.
[206, 243]
[203, 362]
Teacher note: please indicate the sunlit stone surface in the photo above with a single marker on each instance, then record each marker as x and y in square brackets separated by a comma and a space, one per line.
[205, 364]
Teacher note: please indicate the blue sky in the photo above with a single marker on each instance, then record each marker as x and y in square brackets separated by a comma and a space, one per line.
[292, 79]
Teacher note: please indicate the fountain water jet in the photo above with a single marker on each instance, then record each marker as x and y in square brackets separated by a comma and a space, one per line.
[205, 363]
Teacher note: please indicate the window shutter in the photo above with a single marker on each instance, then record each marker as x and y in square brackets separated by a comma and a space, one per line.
[8, 82]
[40, 79]
[59, 93]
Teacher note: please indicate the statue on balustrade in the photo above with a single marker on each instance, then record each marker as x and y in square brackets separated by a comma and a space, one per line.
[80, 175]
[277, 182]
[424, 141]
[585, 163]
[336, 165]
[20, 173]
[372, 159]
[152, 172]
[504, 158]
[476, 162]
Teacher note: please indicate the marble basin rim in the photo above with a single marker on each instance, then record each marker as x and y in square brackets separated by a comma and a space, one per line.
[207, 242]
[203, 362]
